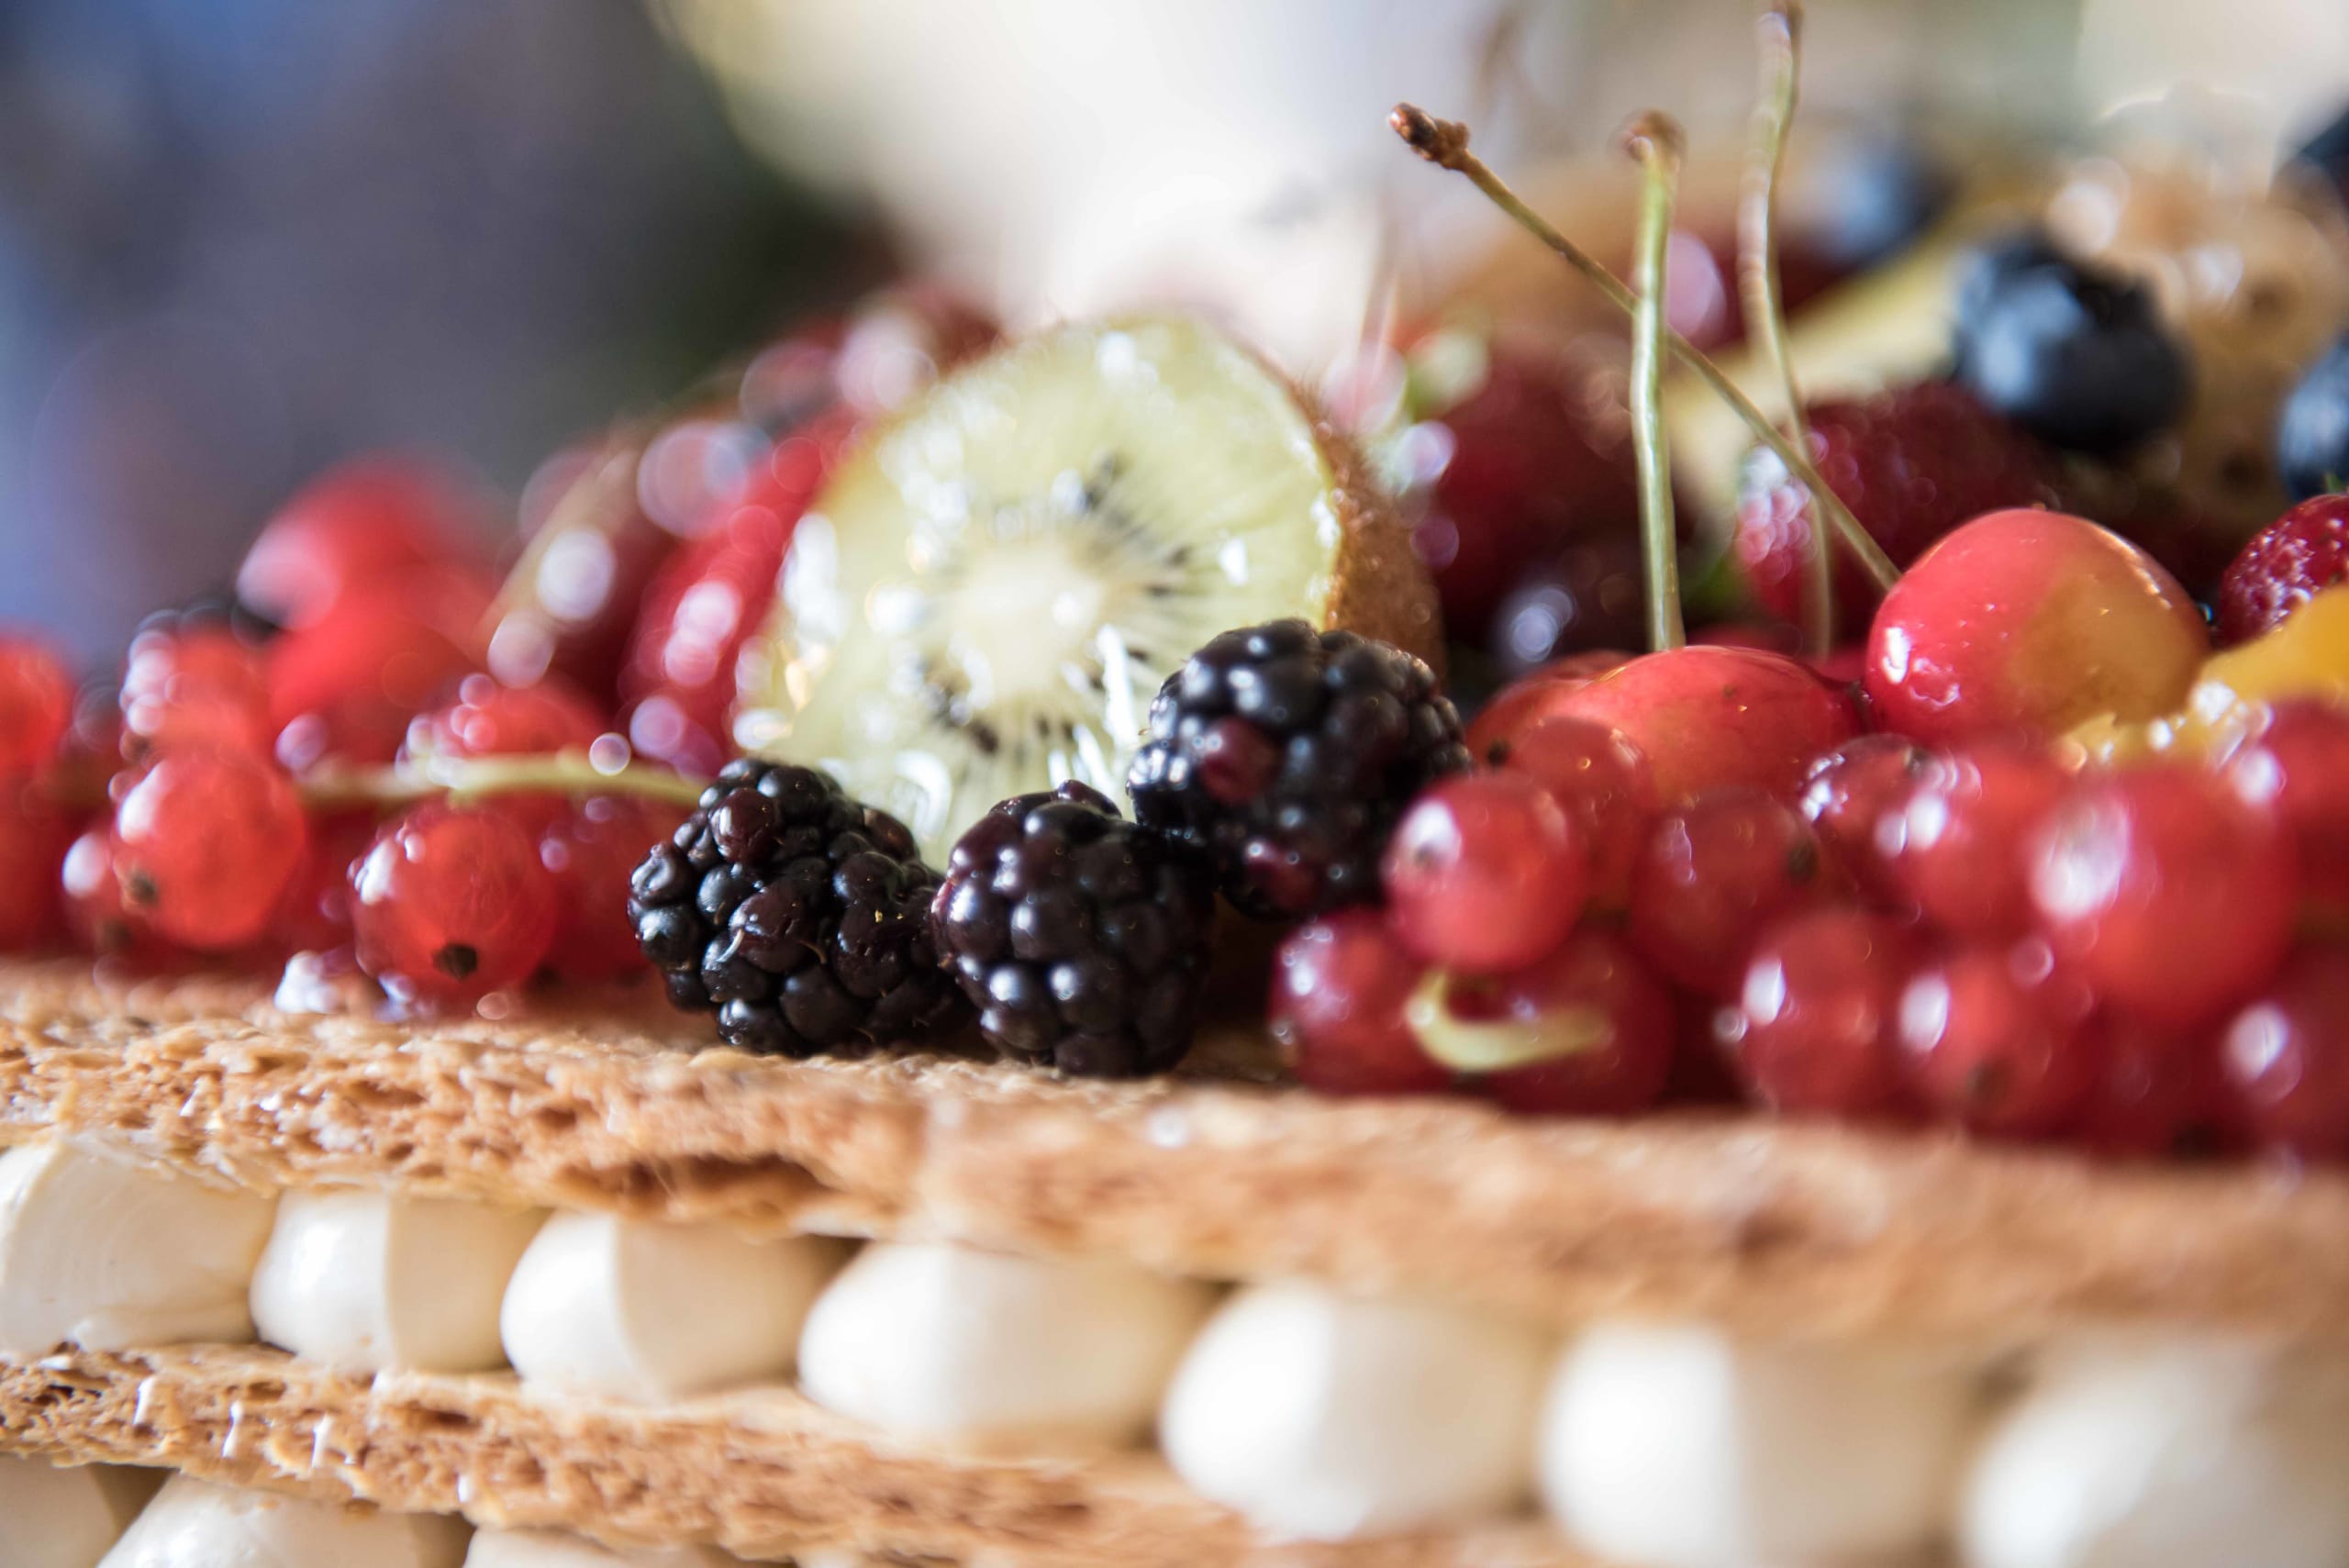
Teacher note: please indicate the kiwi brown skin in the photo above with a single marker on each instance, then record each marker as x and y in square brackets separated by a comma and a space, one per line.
[1378, 584]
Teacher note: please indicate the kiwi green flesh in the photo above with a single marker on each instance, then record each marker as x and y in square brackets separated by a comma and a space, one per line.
[989, 592]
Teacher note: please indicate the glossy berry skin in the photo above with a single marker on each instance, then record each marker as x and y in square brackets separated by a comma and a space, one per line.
[1618, 1015]
[1911, 463]
[1719, 718]
[1338, 986]
[2163, 893]
[205, 843]
[2286, 1056]
[2075, 354]
[591, 850]
[1814, 1026]
[1850, 791]
[314, 913]
[1486, 872]
[1712, 875]
[491, 720]
[1996, 1041]
[1531, 697]
[2297, 769]
[1953, 845]
[345, 685]
[2283, 566]
[35, 834]
[2312, 433]
[1603, 784]
[2158, 1091]
[101, 924]
[2024, 624]
[451, 903]
[350, 530]
[188, 682]
[36, 702]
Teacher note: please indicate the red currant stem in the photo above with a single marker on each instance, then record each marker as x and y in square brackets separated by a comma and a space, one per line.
[466, 778]
[1780, 28]
[1653, 142]
[1467, 1046]
[1445, 144]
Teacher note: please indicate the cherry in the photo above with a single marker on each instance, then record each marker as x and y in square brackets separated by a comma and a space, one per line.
[1714, 718]
[1850, 790]
[1814, 1026]
[451, 903]
[1485, 872]
[1340, 984]
[190, 682]
[35, 835]
[2159, 1091]
[1954, 845]
[1711, 875]
[95, 912]
[2164, 893]
[36, 702]
[353, 527]
[2025, 624]
[1614, 1022]
[205, 843]
[591, 850]
[1532, 697]
[1996, 1040]
[2286, 1055]
[1603, 783]
[2296, 768]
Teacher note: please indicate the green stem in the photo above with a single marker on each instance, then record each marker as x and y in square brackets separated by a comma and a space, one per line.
[468, 778]
[1445, 144]
[1497, 1045]
[1780, 28]
[1653, 142]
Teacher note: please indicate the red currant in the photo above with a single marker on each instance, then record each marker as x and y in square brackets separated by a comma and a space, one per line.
[1614, 1020]
[36, 702]
[2159, 1091]
[1338, 988]
[350, 529]
[1850, 791]
[1998, 1040]
[2286, 1056]
[1954, 845]
[34, 836]
[591, 850]
[2298, 769]
[1486, 873]
[489, 720]
[2162, 891]
[192, 685]
[451, 903]
[1603, 783]
[95, 912]
[345, 685]
[1711, 875]
[1814, 1027]
[314, 915]
[205, 843]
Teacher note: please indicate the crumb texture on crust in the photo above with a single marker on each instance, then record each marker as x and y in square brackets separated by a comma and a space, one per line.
[1777, 1228]
[761, 1472]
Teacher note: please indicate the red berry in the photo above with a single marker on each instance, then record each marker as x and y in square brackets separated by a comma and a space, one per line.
[2166, 894]
[1954, 845]
[1711, 875]
[1338, 986]
[95, 912]
[205, 843]
[1615, 1021]
[2283, 566]
[1602, 781]
[1850, 791]
[1911, 463]
[345, 685]
[1486, 872]
[1814, 1027]
[1713, 717]
[35, 834]
[1531, 698]
[2286, 1056]
[2158, 1091]
[36, 702]
[192, 685]
[591, 852]
[314, 915]
[2298, 769]
[350, 529]
[452, 904]
[571, 603]
[1997, 1040]
[489, 720]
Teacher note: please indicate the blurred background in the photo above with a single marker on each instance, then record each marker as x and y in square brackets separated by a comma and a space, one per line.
[243, 239]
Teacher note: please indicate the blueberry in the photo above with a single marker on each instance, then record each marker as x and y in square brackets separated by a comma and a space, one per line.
[1874, 195]
[1991, 263]
[2072, 353]
[2328, 153]
[2312, 436]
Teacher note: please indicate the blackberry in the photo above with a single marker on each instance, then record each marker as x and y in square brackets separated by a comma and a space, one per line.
[797, 915]
[1080, 937]
[1286, 755]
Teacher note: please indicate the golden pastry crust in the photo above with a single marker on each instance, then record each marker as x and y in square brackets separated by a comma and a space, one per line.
[761, 1472]
[1772, 1227]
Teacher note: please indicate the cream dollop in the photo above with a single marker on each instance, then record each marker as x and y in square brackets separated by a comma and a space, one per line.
[363, 1281]
[936, 1340]
[2164, 1456]
[1678, 1447]
[640, 1309]
[195, 1524]
[52, 1516]
[551, 1548]
[1331, 1416]
[103, 1250]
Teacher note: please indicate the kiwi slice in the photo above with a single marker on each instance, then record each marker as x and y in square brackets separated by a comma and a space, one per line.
[992, 587]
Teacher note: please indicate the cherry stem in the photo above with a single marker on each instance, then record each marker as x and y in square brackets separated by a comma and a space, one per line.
[1445, 144]
[1780, 29]
[465, 778]
[1653, 140]
[1472, 1046]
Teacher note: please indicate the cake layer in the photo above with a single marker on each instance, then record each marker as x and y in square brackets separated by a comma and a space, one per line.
[762, 1474]
[1779, 1228]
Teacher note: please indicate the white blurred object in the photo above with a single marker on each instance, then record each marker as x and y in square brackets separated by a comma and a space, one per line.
[59, 1517]
[195, 1524]
[551, 1548]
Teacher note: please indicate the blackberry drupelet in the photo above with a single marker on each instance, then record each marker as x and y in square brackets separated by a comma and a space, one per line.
[1081, 938]
[1286, 755]
[796, 915]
